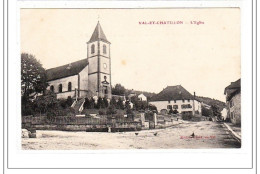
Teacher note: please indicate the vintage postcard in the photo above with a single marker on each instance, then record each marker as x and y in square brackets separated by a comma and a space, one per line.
[152, 78]
[133, 85]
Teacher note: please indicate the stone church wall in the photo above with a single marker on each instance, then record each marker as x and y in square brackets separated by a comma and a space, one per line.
[84, 79]
[64, 81]
[92, 83]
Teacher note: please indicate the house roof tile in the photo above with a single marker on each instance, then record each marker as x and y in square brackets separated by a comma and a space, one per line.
[172, 93]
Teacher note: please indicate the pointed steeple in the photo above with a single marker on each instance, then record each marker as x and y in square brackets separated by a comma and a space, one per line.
[98, 34]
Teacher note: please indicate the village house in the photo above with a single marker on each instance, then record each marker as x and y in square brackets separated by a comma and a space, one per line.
[233, 101]
[224, 114]
[142, 97]
[89, 77]
[176, 98]
[132, 94]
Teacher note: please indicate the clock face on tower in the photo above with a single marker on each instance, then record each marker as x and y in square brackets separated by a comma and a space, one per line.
[105, 66]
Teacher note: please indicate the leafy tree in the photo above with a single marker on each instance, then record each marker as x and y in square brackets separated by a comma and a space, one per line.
[46, 103]
[118, 90]
[111, 110]
[100, 103]
[135, 102]
[120, 104]
[152, 107]
[33, 75]
[215, 111]
[63, 103]
[27, 107]
[130, 113]
[205, 112]
[92, 103]
[105, 102]
[113, 101]
[86, 104]
[69, 101]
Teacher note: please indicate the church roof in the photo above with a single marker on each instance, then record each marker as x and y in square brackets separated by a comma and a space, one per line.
[173, 93]
[66, 70]
[98, 34]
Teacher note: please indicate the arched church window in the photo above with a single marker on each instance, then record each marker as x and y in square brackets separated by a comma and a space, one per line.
[60, 87]
[69, 86]
[104, 49]
[52, 88]
[92, 48]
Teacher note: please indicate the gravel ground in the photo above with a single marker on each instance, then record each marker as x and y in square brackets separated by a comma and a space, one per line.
[206, 135]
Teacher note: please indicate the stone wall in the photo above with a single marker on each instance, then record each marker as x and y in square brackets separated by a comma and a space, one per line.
[78, 124]
[235, 110]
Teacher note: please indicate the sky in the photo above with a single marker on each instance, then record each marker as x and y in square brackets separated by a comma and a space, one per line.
[202, 58]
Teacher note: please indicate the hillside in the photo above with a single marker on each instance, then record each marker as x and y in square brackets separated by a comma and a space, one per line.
[210, 101]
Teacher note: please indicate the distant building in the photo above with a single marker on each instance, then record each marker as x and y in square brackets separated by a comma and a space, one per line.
[132, 94]
[233, 101]
[224, 114]
[205, 105]
[142, 97]
[176, 98]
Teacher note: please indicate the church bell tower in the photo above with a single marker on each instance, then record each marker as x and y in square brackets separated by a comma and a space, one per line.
[99, 68]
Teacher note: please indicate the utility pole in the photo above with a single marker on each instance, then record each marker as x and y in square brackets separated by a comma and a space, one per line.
[193, 107]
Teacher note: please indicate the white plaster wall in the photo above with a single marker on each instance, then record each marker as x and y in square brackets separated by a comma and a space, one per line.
[64, 81]
[66, 94]
[92, 83]
[106, 61]
[142, 97]
[92, 67]
[163, 105]
[84, 79]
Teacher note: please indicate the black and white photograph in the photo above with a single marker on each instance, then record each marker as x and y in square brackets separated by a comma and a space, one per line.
[167, 85]
[152, 79]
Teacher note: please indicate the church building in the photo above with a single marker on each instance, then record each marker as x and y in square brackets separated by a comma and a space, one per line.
[88, 77]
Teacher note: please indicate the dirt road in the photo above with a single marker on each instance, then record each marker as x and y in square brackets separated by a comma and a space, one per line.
[206, 135]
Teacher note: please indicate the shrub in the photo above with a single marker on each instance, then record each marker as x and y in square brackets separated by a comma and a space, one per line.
[205, 112]
[120, 104]
[63, 103]
[50, 115]
[105, 101]
[100, 103]
[100, 112]
[111, 110]
[130, 113]
[149, 116]
[113, 101]
[69, 101]
[175, 111]
[186, 116]
[27, 107]
[152, 107]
